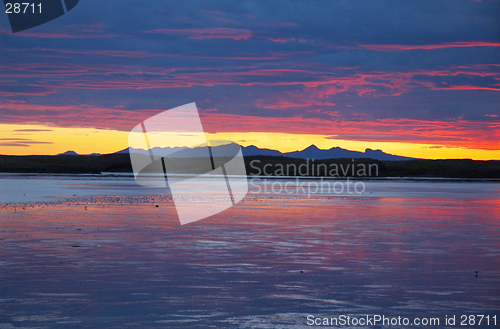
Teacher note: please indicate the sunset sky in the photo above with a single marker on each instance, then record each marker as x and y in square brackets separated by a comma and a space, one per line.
[413, 78]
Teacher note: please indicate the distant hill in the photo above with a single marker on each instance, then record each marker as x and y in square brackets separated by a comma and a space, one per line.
[68, 153]
[73, 153]
[257, 160]
[311, 152]
[72, 164]
[65, 164]
[254, 150]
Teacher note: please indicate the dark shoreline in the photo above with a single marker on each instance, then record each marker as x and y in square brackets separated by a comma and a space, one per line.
[120, 163]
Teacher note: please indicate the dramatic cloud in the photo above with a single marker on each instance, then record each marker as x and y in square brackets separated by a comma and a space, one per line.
[430, 47]
[208, 33]
[31, 130]
[20, 142]
[415, 71]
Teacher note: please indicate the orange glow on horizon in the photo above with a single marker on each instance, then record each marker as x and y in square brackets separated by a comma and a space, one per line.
[49, 140]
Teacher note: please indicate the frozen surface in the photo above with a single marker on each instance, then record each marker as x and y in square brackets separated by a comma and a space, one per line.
[409, 249]
[26, 188]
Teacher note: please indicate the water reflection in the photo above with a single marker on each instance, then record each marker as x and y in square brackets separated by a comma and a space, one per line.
[267, 262]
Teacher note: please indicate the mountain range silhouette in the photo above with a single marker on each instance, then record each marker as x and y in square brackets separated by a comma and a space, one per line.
[311, 152]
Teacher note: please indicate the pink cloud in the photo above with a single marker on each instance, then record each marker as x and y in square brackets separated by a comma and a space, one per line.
[280, 103]
[208, 33]
[280, 40]
[458, 133]
[432, 46]
[145, 54]
[90, 34]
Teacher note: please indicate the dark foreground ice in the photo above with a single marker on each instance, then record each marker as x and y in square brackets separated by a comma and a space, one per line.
[268, 262]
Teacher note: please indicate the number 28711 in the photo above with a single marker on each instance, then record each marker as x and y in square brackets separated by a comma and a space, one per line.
[23, 8]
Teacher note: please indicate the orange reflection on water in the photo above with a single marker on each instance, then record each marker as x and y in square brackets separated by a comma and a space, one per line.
[364, 253]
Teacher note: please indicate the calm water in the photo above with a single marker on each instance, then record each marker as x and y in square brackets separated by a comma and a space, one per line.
[29, 188]
[402, 248]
